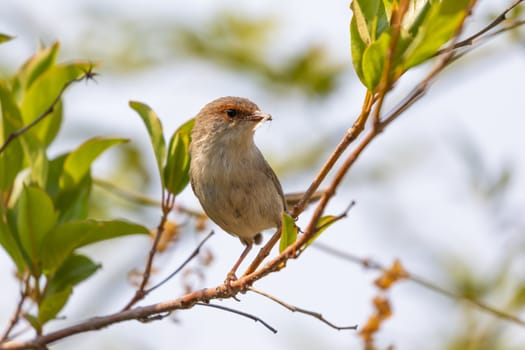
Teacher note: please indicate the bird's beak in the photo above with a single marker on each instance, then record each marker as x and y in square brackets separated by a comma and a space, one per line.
[259, 116]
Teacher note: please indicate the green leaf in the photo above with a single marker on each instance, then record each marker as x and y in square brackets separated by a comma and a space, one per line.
[322, 225]
[374, 60]
[9, 242]
[5, 37]
[33, 68]
[176, 175]
[434, 30]
[72, 203]
[289, 232]
[55, 168]
[61, 242]
[75, 269]
[33, 321]
[370, 19]
[43, 93]
[154, 127]
[78, 162]
[52, 304]
[36, 218]
[358, 47]
[11, 159]
[35, 155]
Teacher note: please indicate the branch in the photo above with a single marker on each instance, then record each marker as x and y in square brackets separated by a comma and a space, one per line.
[301, 310]
[350, 135]
[18, 311]
[242, 313]
[374, 265]
[140, 293]
[89, 74]
[190, 258]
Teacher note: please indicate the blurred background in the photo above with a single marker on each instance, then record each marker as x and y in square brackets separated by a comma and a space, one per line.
[442, 189]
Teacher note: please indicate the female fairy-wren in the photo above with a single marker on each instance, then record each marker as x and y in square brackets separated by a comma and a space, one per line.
[235, 185]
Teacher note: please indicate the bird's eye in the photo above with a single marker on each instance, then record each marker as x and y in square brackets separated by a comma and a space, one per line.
[231, 113]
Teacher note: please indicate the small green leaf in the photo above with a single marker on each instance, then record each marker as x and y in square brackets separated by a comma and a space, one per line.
[358, 47]
[9, 242]
[35, 155]
[72, 203]
[289, 232]
[43, 93]
[374, 60]
[5, 37]
[36, 218]
[154, 127]
[33, 68]
[322, 225]
[51, 305]
[11, 159]
[62, 241]
[176, 175]
[435, 29]
[33, 321]
[78, 162]
[75, 269]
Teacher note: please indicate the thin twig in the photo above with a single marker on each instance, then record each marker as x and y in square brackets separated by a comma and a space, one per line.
[294, 308]
[140, 293]
[18, 310]
[186, 262]
[371, 264]
[242, 313]
[89, 74]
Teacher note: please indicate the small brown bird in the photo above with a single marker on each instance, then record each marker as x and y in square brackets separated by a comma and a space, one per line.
[233, 182]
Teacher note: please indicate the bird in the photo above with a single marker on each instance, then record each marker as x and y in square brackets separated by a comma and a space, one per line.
[232, 180]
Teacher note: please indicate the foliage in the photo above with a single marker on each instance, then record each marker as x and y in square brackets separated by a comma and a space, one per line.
[373, 26]
[44, 210]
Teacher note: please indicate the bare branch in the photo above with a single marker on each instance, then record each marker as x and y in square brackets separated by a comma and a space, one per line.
[301, 310]
[371, 264]
[190, 258]
[242, 313]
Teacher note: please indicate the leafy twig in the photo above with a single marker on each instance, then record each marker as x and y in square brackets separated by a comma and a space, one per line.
[89, 74]
[301, 310]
